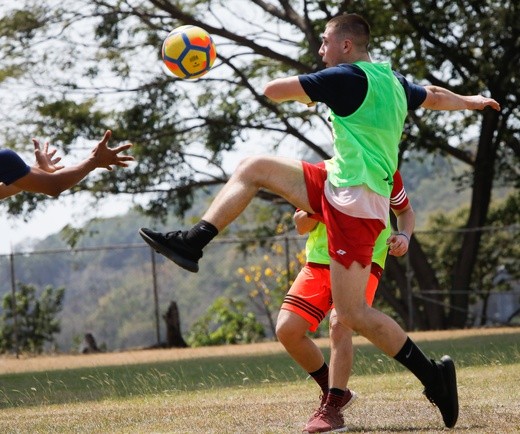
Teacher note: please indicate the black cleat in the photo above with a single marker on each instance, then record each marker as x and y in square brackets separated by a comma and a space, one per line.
[174, 247]
[443, 393]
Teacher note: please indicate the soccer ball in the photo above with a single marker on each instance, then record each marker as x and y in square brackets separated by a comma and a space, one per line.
[188, 52]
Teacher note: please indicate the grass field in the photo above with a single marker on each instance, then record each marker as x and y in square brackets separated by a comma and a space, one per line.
[254, 389]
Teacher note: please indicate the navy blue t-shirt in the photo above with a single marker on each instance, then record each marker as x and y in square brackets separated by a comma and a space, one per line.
[12, 167]
[344, 88]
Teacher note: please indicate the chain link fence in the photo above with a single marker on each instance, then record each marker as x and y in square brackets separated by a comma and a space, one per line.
[119, 293]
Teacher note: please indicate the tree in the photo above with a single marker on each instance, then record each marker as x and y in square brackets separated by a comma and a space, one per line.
[36, 318]
[94, 65]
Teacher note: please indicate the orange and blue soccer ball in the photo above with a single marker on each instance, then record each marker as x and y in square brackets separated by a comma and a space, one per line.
[188, 52]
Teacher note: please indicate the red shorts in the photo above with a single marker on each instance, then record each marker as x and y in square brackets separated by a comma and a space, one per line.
[310, 296]
[350, 238]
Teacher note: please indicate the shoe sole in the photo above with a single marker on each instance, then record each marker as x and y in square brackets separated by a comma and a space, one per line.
[451, 377]
[170, 254]
[342, 429]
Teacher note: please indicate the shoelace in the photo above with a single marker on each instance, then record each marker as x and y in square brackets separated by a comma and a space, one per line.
[173, 234]
[333, 417]
[326, 410]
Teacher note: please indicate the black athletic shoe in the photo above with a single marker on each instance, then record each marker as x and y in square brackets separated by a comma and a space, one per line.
[174, 247]
[443, 393]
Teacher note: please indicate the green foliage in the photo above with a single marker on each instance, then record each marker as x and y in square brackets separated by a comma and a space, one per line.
[86, 66]
[226, 321]
[104, 70]
[36, 318]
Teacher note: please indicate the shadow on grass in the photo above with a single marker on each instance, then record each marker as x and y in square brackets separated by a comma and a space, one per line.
[113, 382]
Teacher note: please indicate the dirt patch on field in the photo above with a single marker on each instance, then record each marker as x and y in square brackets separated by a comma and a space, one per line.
[11, 364]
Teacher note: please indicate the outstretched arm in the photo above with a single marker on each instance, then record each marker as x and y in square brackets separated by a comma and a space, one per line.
[439, 98]
[45, 161]
[286, 89]
[52, 184]
[8, 190]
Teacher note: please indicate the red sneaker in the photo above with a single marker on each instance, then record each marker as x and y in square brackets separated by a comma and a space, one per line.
[327, 419]
[348, 399]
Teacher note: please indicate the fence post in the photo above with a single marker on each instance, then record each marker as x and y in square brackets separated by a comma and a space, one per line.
[156, 299]
[409, 273]
[13, 296]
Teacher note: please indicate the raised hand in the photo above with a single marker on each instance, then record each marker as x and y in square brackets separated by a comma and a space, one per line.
[45, 159]
[105, 157]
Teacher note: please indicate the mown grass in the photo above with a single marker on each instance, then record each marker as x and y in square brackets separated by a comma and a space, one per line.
[262, 393]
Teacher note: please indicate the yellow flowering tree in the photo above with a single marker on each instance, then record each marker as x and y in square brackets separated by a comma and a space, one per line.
[268, 282]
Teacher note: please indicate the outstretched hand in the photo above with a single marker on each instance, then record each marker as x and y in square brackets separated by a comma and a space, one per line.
[479, 102]
[45, 159]
[105, 157]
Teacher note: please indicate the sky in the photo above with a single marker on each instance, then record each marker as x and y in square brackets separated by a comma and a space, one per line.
[61, 212]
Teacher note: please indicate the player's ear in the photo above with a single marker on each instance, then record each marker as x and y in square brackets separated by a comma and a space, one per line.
[347, 46]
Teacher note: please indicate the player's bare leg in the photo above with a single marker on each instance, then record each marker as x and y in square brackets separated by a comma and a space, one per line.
[282, 176]
[348, 286]
[291, 331]
[341, 354]
[348, 293]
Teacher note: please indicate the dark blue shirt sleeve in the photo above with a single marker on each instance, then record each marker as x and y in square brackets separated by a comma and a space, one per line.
[344, 87]
[415, 94]
[12, 167]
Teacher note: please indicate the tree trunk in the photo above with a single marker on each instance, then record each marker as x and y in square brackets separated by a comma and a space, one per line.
[89, 345]
[174, 337]
[431, 316]
[481, 197]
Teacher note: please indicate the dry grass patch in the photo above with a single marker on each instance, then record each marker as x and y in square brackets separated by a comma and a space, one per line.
[489, 399]
[213, 401]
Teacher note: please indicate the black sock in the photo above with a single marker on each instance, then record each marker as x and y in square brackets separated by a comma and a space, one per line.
[201, 234]
[321, 376]
[414, 359]
[335, 397]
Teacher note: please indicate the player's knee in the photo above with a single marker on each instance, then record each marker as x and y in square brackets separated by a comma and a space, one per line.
[337, 330]
[351, 320]
[249, 165]
[282, 336]
[283, 332]
[286, 332]
[253, 168]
